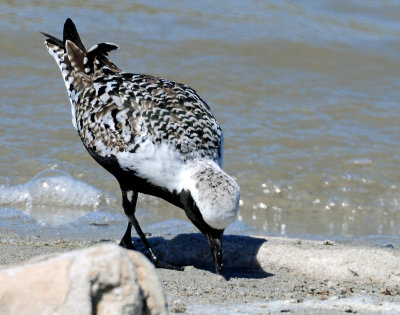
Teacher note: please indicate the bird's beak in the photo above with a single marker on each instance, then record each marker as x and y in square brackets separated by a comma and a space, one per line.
[215, 242]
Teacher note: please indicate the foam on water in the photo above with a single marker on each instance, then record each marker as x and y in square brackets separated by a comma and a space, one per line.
[102, 223]
[14, 214]
[54, 197]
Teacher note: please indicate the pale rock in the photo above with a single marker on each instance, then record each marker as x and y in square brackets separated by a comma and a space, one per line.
[335, 263]
[104, 279]
[266, 254]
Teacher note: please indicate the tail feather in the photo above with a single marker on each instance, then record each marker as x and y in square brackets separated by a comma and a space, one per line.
[77, 57]
[96, 57]
[71, 33]
[79, 67]
[101, 49]
[53, 40]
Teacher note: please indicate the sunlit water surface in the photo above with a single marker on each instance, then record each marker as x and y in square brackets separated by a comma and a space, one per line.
[307, 95]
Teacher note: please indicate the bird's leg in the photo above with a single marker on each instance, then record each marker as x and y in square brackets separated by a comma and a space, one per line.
[129, 208]
[126, 241]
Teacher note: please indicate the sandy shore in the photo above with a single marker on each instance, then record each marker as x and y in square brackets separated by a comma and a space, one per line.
[262, 275]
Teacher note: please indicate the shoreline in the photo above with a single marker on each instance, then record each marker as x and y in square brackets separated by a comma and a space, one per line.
[264, 275]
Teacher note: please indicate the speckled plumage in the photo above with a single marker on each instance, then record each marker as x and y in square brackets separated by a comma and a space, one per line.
[115, 111]
[155, 136]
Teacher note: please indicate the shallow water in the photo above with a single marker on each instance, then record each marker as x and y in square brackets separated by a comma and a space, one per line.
[307, 95]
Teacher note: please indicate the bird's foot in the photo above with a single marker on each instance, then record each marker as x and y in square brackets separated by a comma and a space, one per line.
[162, 264]
[165, 265]
[125, 243]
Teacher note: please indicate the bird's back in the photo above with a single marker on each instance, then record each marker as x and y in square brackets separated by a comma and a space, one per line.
[127, 111]
[128, 116]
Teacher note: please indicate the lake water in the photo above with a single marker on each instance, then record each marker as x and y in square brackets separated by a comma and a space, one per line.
[307, 94]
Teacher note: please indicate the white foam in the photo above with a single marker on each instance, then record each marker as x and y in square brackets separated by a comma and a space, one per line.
[14, 194]
[53, 196]
[13, 214]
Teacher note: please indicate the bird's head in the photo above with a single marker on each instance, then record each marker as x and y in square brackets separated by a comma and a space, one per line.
[211, 202]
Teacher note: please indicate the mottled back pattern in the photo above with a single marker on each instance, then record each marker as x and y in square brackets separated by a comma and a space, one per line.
[116, 111]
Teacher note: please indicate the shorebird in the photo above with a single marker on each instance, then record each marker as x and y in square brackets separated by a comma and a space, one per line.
[156, 136]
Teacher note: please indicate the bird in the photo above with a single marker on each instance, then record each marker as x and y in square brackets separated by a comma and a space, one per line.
[155, 136]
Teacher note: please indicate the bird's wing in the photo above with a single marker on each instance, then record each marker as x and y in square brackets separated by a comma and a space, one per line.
[128, 111]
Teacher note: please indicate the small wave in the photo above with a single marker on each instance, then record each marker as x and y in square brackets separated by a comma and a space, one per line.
[54, 197]
[360, 161]
[54, 188]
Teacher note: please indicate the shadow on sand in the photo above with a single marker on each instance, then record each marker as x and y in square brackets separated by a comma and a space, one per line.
[240, 253]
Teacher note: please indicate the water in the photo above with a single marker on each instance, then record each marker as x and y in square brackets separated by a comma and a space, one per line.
[307, 95]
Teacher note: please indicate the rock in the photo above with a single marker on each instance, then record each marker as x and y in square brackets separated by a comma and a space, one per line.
[104, 279]
[150, 284]
[336, 263]
[262, 254]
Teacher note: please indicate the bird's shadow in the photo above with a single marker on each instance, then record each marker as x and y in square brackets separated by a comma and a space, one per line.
[240, 253]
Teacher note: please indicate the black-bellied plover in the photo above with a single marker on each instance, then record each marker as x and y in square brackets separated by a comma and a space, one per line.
[156, 136]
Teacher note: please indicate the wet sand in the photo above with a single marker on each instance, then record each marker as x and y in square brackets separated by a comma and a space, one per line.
[261, 276]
